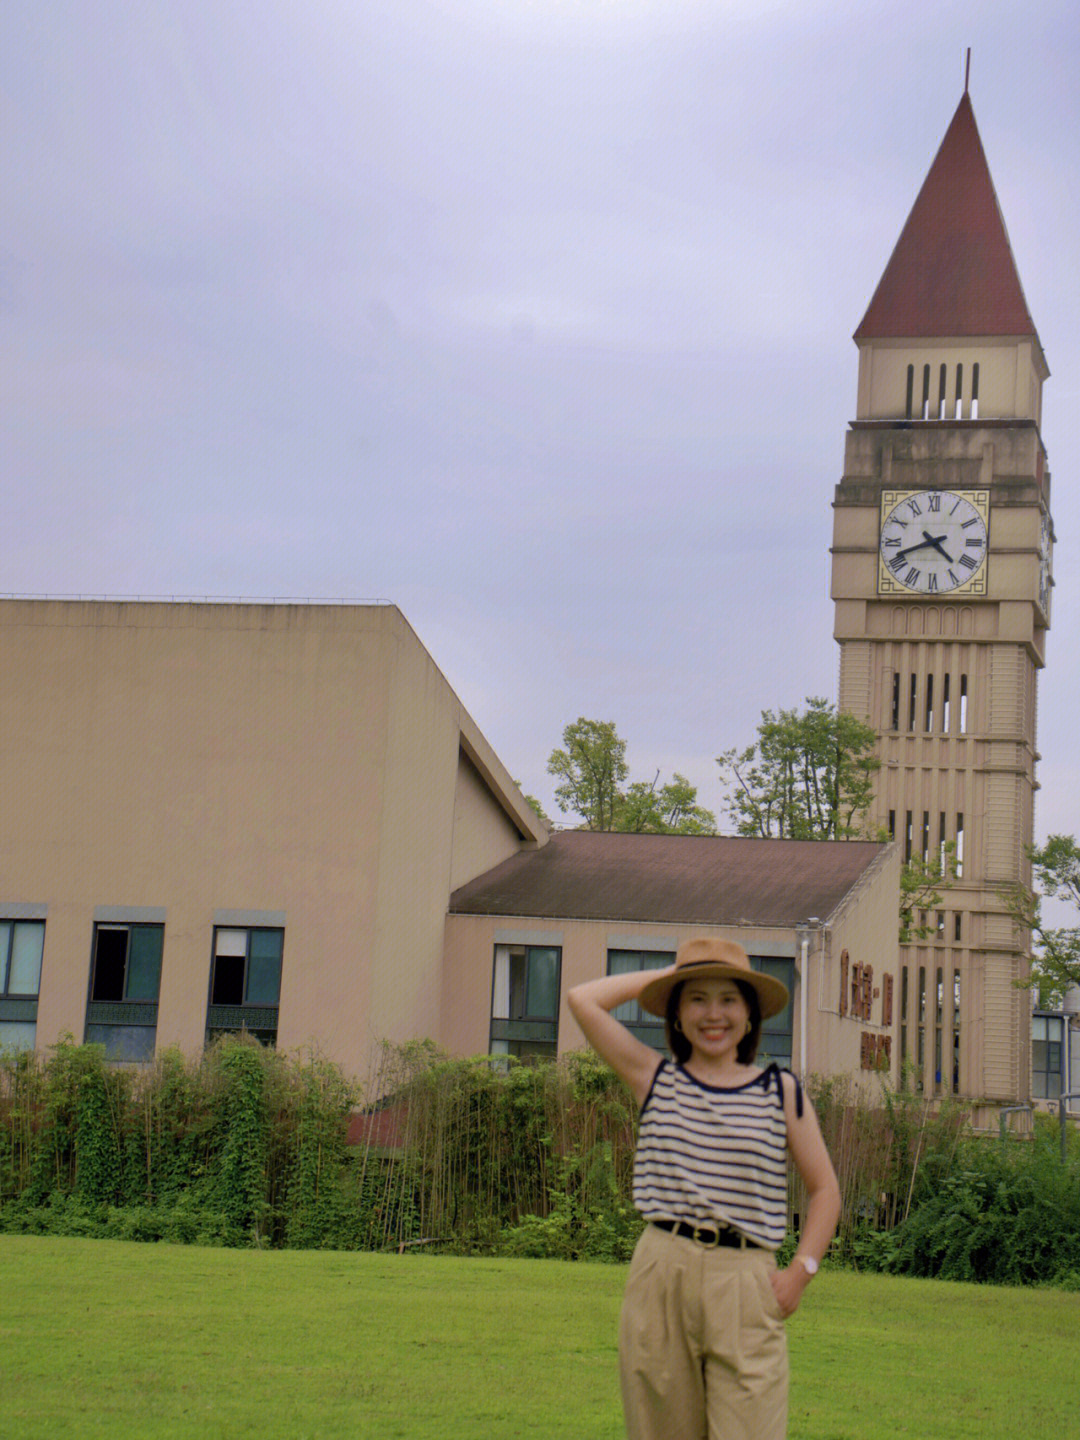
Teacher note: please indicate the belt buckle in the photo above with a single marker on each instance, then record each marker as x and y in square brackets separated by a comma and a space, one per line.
[713, 1243]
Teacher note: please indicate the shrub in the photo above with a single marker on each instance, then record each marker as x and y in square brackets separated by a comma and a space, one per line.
[245, 1146]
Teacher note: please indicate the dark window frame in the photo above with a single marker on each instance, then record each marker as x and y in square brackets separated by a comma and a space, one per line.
[5, 959]
[524, 1036]
[125, 1025]
[649, 1029]
[19, 1007]
[258, 1018]
[1047, 1048]
[778, 1032]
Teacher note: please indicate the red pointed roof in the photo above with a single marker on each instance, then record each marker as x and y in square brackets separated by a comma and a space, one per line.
[952, 272]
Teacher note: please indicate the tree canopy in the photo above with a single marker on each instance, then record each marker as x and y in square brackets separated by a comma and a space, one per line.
[1055, 876]
[592, 770]
[809, 776]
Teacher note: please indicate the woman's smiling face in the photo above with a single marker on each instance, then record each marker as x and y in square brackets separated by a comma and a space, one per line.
[714, 1017]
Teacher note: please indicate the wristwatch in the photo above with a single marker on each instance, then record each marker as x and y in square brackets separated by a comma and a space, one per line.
[809, 1264]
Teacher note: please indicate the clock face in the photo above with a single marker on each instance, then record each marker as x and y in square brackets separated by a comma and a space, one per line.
[933, 542]
[1046, 545]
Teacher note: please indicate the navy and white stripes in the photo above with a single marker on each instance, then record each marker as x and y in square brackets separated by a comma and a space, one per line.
[709, 1154]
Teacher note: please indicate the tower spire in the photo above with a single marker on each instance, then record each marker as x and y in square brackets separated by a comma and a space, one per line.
[952, 271]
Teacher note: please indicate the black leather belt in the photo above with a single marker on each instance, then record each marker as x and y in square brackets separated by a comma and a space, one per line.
[708, 1235]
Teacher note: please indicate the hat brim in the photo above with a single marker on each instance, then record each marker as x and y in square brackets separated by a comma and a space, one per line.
[772, 993]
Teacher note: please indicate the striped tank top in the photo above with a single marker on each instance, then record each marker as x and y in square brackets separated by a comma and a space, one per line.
[710, 1154]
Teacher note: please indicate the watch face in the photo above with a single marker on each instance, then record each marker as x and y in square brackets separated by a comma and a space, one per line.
[933, 542]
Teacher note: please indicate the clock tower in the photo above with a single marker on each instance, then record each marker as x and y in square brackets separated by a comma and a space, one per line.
[941, 580]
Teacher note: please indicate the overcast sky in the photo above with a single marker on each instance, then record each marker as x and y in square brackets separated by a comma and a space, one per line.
[531, 316]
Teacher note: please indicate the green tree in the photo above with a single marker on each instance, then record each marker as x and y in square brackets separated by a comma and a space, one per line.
[1055, 869]
[592, 769]
[809, 776]
[532, 800]
[672, 809]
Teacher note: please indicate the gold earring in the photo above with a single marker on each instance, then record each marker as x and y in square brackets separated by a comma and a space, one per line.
[677, 1025]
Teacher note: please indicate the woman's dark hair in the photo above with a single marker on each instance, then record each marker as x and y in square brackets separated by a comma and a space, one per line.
[681, 1048]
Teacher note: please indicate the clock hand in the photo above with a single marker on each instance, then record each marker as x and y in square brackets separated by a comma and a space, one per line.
[935, 541]
[919, 545]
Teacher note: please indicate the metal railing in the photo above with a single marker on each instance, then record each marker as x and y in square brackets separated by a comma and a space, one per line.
[1003, 1121]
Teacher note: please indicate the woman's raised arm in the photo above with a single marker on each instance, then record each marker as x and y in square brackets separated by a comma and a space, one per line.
[591, 1005]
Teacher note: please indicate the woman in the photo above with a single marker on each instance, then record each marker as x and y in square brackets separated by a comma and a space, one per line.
[702, 1349]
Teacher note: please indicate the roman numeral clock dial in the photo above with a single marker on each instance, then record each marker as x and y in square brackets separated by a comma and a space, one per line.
[933, 542]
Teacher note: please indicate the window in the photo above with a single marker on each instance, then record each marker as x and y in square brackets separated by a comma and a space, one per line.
[896, 700]
[974, 392]
[910, 391]
[21, 946]
[245, 984]
[903, 1025]
[649, 1028]
[939, 1022]
[124, 979]
[1046, 1056]
[525, 1000]
[776, 1032]
[956, 1032]
[920, 1053]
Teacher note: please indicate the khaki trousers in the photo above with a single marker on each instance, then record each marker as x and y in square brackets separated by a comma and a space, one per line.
[702, 1348]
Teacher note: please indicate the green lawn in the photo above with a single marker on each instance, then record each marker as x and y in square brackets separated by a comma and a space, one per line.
[100, 1337]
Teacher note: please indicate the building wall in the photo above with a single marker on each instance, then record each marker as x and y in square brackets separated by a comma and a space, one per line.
[248, 764]
[480, 830]
[439, 821]
[858, 943]
[1010, 379]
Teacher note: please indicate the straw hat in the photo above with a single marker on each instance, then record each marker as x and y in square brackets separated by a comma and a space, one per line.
[709, 959]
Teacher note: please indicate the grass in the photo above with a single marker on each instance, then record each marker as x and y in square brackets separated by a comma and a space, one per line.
[101, 1337]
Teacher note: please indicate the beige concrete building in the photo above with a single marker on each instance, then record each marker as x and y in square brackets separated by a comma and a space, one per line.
[234, 816]
[941, 579]
[280, 819]
[820, 915]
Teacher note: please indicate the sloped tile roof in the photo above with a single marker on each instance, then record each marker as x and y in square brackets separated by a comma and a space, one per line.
[952, 272]
[679, 879]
